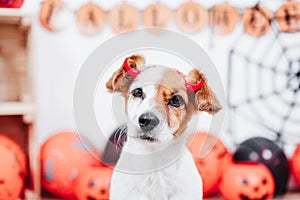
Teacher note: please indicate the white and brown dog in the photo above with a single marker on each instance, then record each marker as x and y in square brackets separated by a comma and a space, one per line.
[159, 104]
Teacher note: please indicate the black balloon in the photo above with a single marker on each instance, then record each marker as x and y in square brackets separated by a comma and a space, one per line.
[114, 145]
[265, 151]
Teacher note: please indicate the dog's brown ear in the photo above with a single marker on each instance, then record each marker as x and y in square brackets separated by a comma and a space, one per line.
[121, 80]
[205, 99]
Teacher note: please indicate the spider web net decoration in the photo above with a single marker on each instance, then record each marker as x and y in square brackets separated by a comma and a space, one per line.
[264, 87]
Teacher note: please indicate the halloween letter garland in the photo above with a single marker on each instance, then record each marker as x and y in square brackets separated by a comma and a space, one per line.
[191, 17]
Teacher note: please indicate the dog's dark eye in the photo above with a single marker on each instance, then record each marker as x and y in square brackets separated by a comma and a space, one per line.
[138, 92]
[176, 101]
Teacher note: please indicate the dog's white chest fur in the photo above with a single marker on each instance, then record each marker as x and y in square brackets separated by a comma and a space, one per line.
[179, 180]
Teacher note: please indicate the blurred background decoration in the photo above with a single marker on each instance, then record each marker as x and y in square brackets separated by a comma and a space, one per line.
[190, 17]
[11, 3]
[256, 49]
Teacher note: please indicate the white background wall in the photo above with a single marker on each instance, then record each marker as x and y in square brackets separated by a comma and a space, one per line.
[59, 56]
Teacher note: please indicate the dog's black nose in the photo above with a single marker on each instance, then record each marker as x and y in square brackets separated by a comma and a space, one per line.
[148, 121]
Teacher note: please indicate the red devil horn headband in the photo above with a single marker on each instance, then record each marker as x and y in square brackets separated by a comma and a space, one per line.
[189, 86]
[194, 87]
[131, 71]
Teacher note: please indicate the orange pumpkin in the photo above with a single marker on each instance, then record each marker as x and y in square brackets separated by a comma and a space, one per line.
[93, 183]
[63, 156]
[208, 153]
[295, 164]
[18, 152]
[11, 177]
[249, 181]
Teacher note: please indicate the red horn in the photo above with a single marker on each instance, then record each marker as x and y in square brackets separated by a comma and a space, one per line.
[131, 71]
[191, 87]
[194, 87]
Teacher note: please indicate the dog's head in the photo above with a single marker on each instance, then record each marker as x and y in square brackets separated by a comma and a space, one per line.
[160, 100]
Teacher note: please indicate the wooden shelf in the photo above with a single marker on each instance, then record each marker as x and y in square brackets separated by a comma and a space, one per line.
[12, 12]
[16, 108]
[17, 105]
[14, 16]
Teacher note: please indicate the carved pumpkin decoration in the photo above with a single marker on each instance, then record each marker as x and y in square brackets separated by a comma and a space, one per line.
[11, 177]
[265, 151]
[288, 17]
[257, 20]
[63, 156]
[295, 164]
[208, 153]
[93, 183]
[223, 18]
[246, 181]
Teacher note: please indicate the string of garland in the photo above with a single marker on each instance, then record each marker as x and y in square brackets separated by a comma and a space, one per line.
[191, 17]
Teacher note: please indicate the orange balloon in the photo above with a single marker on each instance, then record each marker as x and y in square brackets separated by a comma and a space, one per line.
[11, 177]
[209, 153]
[63, 156]
[246, 181]
[93, 183]
[295, 164]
